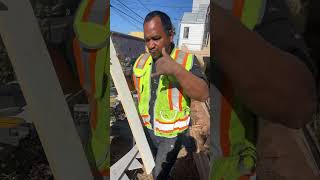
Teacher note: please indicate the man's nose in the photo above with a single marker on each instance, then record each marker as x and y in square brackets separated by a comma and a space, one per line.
[151, 44]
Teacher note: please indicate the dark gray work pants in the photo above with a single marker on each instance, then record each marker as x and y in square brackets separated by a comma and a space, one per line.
[166, 150]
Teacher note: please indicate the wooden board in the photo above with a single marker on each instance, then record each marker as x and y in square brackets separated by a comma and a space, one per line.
[127, 162]
[40, 86]
[130, 109]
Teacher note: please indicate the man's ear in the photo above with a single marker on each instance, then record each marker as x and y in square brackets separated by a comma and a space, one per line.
[171, 34]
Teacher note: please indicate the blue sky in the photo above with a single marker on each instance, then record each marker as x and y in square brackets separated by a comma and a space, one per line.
[124, 24]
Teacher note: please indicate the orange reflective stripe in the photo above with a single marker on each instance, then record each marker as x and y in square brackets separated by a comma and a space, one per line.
[176, 53]
[139, 61]
[184, 63]
[93, 113]
[225, 118]
[92, 65]
[146, 123]
[175, 129]
[237, 8]
[134, 82]
[244, 178]
[106, 17]
[80, 67]
[170, 96]
[180, 98]
[105, 172]
[226, 100]
[248, 177]
[77, 54]
[87, 11]
[138, 89]
[175, 93]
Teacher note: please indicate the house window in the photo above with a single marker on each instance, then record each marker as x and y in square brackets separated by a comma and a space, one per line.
[186, 32]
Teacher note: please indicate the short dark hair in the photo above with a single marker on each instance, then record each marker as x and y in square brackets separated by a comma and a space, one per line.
[165, 21]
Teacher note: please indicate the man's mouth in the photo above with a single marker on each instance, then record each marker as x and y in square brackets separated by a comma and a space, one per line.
[155, 54]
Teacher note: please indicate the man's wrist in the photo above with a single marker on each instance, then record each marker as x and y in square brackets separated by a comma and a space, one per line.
[178, 70]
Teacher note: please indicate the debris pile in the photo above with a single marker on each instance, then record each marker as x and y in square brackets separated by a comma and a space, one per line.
[26, 161]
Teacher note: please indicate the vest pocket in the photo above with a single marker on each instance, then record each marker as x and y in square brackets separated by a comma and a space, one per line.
[168, 116]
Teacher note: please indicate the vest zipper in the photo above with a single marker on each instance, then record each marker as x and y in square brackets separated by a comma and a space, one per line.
[154, 105]
[153, 108]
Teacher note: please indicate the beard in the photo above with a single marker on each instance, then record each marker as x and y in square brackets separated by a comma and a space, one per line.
[156, 55]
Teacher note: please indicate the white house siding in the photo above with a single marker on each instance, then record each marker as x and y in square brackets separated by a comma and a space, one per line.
[195, 39]
[196, 3]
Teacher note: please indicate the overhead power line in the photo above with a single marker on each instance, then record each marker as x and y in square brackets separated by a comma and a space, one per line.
[126, 19]
[168, 6]
[144, 5]
[152, 4]
[126, 14]
[130, 9]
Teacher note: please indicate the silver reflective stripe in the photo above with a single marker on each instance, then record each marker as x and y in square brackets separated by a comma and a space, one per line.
[137, 85]
[192, 61]
[215, 123]
[180, 57]
[142, 61]
[175, 93]
[262, 11]
[98, 11]
[175, 96]
[146, 119]
[86, 69]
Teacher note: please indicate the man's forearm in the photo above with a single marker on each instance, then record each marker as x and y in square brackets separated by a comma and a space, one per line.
[192, 85]
[272, 83]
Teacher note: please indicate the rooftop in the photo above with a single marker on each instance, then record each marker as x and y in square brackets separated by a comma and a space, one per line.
[196, 17]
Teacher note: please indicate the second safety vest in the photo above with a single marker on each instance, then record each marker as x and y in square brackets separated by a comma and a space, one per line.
[233, 128]
[91, 51]
[171, 111]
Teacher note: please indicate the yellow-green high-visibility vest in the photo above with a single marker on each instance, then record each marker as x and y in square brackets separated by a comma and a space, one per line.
[232, 126]
[172, 105]
[91, 50]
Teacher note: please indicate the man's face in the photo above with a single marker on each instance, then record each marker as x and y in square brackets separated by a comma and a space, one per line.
[156, 38]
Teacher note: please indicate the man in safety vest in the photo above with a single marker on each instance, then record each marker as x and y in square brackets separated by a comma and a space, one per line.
[260, 69]
[165, 79]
